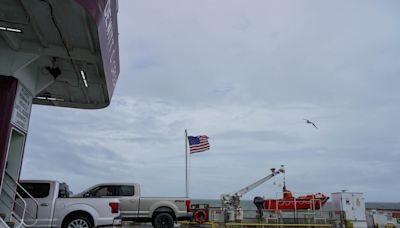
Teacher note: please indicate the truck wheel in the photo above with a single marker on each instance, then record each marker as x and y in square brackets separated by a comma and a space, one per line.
[77, 221]
[163, 220]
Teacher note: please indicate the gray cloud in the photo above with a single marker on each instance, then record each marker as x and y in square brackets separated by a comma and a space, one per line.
[244, 73]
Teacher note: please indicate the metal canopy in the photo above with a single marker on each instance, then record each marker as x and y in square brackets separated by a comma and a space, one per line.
[61, 50]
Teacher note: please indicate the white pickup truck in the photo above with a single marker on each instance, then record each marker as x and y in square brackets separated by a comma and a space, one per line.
[160, 211]
[55, 208]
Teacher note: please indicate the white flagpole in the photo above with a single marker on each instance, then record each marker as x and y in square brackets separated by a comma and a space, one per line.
[189, 167]
[186, 162]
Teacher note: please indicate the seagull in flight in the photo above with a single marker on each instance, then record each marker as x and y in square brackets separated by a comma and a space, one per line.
[309, 122]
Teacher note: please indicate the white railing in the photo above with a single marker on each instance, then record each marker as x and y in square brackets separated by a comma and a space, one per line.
[251, 216]
[3, 224]
[13, 186]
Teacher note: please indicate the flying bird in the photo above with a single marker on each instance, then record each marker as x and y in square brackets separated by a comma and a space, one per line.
[309, 122]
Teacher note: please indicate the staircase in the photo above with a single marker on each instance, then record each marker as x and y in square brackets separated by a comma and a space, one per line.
[13, 205]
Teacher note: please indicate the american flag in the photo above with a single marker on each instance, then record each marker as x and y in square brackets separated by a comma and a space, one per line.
[198, 143]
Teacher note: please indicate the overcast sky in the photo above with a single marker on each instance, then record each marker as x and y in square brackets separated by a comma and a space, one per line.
[245, 73]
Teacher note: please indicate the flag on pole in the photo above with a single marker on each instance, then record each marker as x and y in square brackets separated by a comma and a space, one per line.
[198, 143]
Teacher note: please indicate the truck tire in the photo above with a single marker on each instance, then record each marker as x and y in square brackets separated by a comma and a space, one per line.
[163, 220]
[77, 221]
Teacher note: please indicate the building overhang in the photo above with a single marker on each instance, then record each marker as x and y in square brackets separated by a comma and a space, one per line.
[65, 52]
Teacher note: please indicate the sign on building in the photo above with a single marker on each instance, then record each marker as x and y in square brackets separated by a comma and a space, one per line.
[22, 108]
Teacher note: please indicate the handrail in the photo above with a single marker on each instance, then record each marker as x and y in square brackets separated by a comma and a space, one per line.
[22, 222]
[2, 222]
[25, 191]
[13, 214]
[12, 188]
[16, 202]
[21, 206]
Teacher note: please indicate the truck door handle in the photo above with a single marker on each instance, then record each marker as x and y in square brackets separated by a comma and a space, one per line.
[44, 204]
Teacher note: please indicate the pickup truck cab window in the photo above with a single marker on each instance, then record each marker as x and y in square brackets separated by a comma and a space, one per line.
[37, 190]
[102, 191]
[126, 190]
[114, 191]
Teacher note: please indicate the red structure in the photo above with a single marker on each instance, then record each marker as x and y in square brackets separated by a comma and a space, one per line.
[8, 90]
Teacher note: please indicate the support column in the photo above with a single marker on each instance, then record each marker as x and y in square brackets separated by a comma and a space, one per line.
[15, 109]
[8, 90]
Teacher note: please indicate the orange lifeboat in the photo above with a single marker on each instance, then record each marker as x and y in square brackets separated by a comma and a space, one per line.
[288, 202]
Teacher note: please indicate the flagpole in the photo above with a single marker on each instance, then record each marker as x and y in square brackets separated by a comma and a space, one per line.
[189, 168]
[186, 164]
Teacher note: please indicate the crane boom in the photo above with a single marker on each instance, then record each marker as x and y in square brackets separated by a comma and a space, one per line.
[247, 189]
[232, 200]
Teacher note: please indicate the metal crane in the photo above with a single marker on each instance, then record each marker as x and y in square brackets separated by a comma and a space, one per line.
[231, 201]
